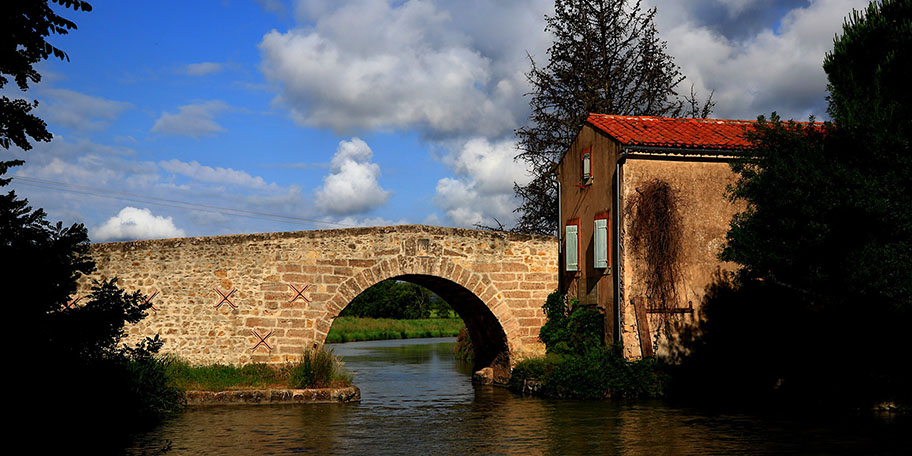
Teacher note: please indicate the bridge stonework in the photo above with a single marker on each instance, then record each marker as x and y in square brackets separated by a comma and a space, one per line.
[497, 282]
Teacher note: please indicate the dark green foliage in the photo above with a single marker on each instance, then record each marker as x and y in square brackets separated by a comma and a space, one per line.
[578, 365]
[398, 300]
[570, 328]
[761, 344]
[554, 333]
[599, 373]
[830, 209]
[606, 58]
[24, 28]
[820, 309]
[868, 72]
[605, 373]
[532, 368]
[83, 384]
[76, 350]
[151, 389]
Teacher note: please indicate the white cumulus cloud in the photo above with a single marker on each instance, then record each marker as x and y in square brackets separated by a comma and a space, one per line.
[133, 223]
[351, 187]
[446, 69]
[483, 190]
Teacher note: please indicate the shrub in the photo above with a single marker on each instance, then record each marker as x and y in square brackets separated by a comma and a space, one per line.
[571, 328]
[318, 368]
[532, 368]
[596, 374]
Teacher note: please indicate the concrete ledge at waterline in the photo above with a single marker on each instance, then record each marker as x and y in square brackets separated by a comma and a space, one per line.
[275, 396]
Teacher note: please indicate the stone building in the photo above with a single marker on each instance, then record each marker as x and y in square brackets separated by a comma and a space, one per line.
[643, 216]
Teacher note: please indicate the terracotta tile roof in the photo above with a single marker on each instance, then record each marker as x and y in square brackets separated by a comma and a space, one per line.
[714, 134]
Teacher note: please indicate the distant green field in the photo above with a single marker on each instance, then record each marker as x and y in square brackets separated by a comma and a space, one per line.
[352, 329]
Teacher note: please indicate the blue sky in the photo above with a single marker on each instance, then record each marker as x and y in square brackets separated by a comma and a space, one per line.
[234, 116]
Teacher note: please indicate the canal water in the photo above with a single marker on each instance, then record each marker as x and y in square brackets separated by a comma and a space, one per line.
[417, 399]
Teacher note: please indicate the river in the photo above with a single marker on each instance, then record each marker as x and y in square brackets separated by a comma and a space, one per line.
[416, 399]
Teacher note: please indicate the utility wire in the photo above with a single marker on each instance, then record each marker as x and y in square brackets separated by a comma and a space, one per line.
[113, 194]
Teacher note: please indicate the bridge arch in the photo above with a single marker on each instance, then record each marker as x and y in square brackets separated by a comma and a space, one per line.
[474, 296]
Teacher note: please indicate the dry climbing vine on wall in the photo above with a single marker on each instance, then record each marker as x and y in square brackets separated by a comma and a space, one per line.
[655, 237]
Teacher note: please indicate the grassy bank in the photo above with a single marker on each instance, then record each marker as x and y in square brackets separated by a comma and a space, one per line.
[315, 369]
[352, 329]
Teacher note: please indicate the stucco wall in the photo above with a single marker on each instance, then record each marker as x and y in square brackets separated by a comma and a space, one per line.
[501, 281]
[705, 213]
[583, 201]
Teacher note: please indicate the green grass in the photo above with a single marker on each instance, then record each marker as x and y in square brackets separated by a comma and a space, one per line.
[352, 329]
[315, 369]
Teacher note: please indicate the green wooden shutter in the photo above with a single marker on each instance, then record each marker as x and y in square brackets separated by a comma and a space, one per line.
[572, 247]
[601, 243]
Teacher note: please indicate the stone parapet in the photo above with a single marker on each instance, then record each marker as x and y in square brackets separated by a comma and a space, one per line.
[267, 297]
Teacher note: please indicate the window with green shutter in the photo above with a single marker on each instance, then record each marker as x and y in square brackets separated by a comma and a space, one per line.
[571, 234]
[601, 244]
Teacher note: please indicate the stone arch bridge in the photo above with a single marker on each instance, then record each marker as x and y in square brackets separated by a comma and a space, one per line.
[267, 297]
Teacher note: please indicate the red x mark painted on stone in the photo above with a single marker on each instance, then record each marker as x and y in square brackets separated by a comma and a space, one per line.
[225, 298]
[299, 293]
[262, 340]
[73, 302]
[149, 300]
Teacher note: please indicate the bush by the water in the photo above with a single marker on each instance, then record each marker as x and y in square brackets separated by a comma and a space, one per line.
[579, 365]
[78, 365]
[598, 373]
[761, 344]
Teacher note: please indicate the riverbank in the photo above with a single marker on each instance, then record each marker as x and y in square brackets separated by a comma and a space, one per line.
[354, 329]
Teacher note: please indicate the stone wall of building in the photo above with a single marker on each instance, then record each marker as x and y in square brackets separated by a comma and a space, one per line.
[706, 212]
[496, 281]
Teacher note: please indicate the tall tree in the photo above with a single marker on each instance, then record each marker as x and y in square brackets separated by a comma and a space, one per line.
[826, 236]
[830, 212]
[606, 58]
[68, 342]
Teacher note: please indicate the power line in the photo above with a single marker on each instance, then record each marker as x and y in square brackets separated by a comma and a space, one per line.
[113, 194]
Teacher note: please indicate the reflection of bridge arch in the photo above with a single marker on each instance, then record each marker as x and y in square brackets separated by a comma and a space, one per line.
[497, 283]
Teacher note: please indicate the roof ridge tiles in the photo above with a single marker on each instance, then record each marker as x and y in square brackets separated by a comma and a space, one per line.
[672, 132]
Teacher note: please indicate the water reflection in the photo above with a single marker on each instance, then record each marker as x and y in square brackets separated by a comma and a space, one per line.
[418, 400]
